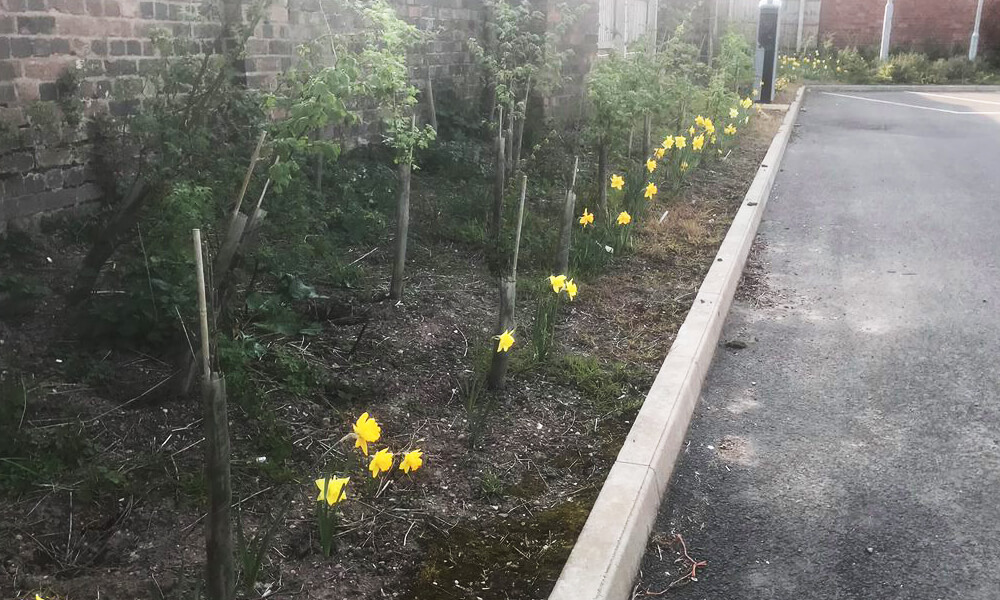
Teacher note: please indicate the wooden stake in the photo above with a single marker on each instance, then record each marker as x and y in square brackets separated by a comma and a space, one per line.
[206, 369]
[566, 233]
[246, 178]
[520, 222]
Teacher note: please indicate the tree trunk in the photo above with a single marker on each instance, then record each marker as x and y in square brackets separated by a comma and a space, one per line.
[508, 295]
[498, 367]
[111, 237]
[647, 126]
[219, 563]
[519, 131]
[402, 232]
[566, 232]
[603, 176]
[509, 138]
[496, 213]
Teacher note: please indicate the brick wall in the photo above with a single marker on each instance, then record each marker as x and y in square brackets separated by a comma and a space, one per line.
[46, 168]
[937, 26]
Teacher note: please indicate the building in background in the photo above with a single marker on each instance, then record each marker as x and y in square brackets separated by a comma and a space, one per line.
[937, 27]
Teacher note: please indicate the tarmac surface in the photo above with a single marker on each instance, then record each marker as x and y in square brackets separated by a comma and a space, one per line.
[851, 449]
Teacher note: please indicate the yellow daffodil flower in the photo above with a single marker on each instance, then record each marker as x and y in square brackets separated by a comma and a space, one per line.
[746, 102]
[558, 282]
[699, 121]
[505, 341]
[617, 182]
[730, 129]
[381, 462]
[651, 165]
[684, 166]
[659, 152]
[650, 190]
[680, 141]
[412, 460]
[691, 131]
[587, 218]
[332, 489]
[368, 432]
[668, 142]
[709, 126]
[624, 218]
[571, 288]
[698, 143]
[714, 139]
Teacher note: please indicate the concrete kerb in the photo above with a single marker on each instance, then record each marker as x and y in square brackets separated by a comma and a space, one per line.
[607, 554]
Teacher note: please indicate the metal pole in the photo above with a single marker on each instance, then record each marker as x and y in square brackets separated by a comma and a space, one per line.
[802, 20]
[974, 43]
[883, 54]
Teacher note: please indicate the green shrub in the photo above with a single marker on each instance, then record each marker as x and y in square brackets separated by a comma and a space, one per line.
[910, 67]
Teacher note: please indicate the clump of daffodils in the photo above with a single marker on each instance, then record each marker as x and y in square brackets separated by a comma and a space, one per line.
[560, 283]
[333, 489]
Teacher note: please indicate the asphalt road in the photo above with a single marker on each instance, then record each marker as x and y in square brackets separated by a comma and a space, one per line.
[852, 449]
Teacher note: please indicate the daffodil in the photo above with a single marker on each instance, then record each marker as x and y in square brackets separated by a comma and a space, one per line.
[691, 131]
[367, 432]
[659, 152]
[381, 462]
[571, 287]
[624, 218]
[730, 129]
[709, 126]
[587, 218]
[412, 460]
[713, 139]
[505, 341]
[746, 102]
[332, 489]
[684, 166]
[698, 143]
[651, 165]
[558, 282]
[699, 121]
[617, 182]
[668, 142]
[650, 191]
[680, 141]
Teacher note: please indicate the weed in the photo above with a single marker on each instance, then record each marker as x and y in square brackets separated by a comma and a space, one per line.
[478, 406]
[251, 552]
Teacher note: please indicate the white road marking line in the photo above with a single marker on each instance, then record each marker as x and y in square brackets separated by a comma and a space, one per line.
[956, 98]
[943, 110]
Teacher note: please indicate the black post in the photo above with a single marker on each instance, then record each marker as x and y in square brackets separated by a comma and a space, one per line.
[767, 49]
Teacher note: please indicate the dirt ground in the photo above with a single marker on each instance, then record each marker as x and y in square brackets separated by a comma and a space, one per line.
[508, 479]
